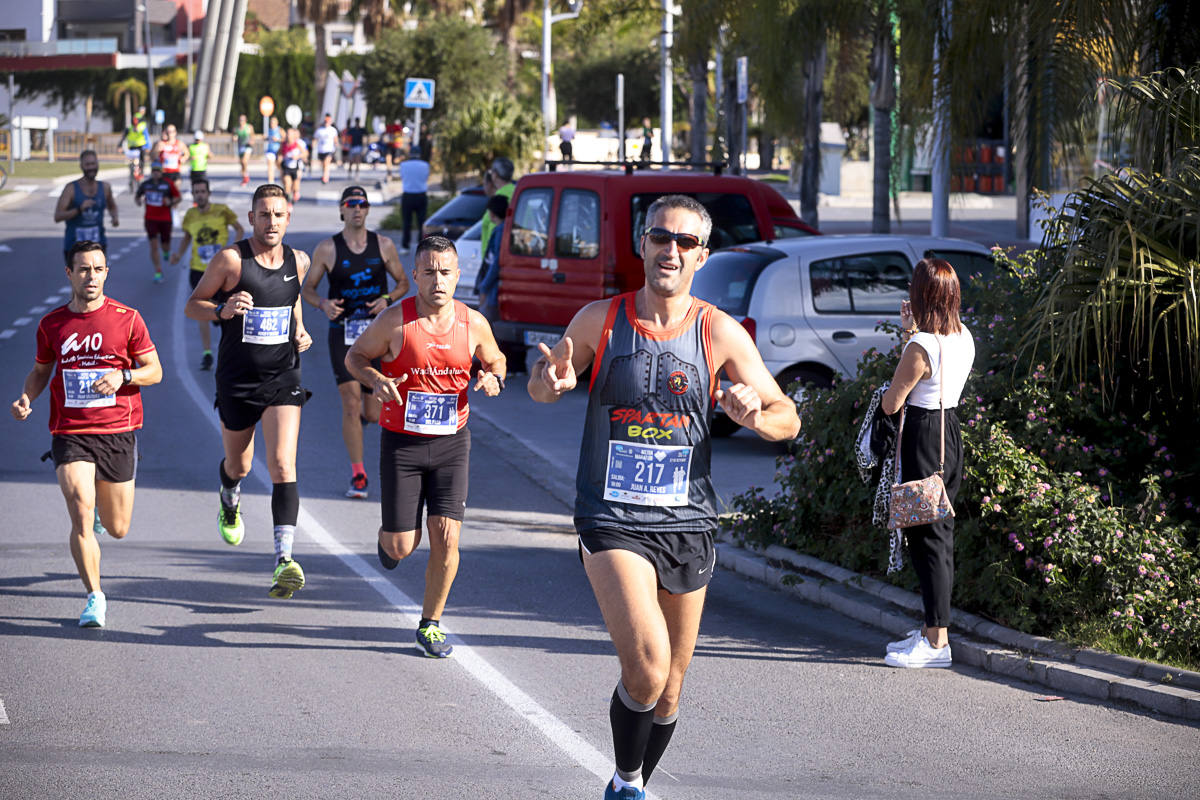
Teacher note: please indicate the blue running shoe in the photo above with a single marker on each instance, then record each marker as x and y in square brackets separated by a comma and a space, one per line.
[93, 612]
[431, 640]
[628, 793]
[98, 527]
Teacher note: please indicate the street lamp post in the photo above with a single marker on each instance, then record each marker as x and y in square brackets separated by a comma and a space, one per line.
[150, 88]
[549, 108]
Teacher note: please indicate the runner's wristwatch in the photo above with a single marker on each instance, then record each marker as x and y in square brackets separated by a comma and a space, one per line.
[126, 377]
[218, 309]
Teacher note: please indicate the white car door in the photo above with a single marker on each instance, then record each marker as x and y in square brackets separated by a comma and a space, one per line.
[849, 293]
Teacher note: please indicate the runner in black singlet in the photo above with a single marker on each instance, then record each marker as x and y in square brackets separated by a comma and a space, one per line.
[645, 508]
[253, 290]
[357, 263]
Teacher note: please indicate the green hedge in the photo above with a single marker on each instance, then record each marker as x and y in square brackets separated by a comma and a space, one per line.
[1073, 521]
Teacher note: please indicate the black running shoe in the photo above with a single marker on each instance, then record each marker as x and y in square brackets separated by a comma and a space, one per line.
[387, 561]
[206, 362]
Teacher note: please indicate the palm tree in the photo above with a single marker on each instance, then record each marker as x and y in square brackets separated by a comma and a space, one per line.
[1123, 260]
[127, 92]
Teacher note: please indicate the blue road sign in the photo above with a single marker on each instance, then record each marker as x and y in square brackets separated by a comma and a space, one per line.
[418, 93]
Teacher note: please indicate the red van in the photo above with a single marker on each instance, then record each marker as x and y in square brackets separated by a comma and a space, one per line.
[572, 237]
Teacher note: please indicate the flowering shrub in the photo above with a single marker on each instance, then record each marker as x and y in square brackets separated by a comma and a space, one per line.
[1072, 521]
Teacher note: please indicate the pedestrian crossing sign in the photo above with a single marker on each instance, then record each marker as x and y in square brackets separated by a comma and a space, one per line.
[418, 93]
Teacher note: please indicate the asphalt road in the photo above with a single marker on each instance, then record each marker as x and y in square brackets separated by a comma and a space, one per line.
[203, 687]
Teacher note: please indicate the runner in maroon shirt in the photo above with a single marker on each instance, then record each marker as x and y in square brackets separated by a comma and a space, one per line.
[103, 353]
[159, 196]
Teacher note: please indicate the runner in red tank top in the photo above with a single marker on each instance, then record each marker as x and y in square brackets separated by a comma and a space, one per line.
[426, 343]
[103, 353]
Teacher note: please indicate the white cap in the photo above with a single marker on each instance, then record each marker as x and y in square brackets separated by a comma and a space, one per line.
[199, 136]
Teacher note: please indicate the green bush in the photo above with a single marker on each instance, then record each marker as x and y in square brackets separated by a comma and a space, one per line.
[1071, 521]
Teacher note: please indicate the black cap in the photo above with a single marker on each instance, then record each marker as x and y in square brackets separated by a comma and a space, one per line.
[353, 191]
[502, 168]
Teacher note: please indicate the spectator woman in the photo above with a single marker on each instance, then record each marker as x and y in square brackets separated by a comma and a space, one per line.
[933, 369]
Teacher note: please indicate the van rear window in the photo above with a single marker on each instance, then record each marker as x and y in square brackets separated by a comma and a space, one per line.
[531, 223]
[733, 217]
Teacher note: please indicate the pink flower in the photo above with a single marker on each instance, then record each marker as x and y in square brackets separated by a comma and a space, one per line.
[1097, 560]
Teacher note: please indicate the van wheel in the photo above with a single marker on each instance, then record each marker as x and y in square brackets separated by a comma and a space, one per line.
[805, 379]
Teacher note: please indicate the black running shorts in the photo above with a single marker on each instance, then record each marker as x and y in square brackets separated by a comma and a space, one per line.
[684, 562]
[241, 411]
[422, 471]
[337, 357]
[114, 454]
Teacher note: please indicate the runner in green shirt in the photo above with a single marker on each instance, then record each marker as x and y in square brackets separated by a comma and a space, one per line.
[198, 157]
[244, 131]
[206, 229]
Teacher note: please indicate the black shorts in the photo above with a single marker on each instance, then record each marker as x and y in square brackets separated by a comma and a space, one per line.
[194, 276]
[419, 471]
[337, 357]
[160, 229]
[114, 454]
[290, 172]
[240, 410]
[325, 156]
[683, 562]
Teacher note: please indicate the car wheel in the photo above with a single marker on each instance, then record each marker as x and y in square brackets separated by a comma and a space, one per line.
[804, 378]
[723, 426]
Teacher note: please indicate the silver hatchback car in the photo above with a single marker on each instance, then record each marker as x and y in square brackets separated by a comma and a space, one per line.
[812, 304]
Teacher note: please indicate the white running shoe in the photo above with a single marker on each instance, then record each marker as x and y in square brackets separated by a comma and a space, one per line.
[920, 656]
[906, 643]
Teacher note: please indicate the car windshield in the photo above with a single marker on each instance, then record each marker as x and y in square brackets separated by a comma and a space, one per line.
[473, 233]
[728, 279]
[466, 207]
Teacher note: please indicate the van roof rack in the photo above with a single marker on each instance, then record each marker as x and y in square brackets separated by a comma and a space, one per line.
[717, 167]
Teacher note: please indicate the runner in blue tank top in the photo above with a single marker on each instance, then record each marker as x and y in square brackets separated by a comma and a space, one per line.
[82, 205]
[645, 509]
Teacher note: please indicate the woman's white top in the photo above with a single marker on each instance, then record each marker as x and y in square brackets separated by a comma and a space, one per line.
[952, 362]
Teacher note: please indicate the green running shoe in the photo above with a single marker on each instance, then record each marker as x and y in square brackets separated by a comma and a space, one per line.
[288, 580]
[229, 522]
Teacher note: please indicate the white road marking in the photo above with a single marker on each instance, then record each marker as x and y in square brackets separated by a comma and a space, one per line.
[3, 715]
[52, 299]
[8, 333]
[37, 310]
[5, 248]
[19, 321]
[556, 731]
[65, 290]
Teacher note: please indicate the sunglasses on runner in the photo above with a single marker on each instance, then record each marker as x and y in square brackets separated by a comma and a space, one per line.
[355, 202]
[662, 236]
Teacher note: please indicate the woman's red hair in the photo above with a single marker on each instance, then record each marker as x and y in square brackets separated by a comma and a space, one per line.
[936, 297]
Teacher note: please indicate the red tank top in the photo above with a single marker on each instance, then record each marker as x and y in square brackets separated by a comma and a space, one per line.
[439, 371]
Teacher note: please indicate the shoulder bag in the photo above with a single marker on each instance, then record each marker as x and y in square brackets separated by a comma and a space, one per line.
[924, 501]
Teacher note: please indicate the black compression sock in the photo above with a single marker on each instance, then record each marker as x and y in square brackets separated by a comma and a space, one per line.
[226, 481]
[660, 737]
[631, 723]
[285, 503]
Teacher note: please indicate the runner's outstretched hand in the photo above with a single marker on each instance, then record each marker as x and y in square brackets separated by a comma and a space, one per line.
[21, 408]
[559, 373]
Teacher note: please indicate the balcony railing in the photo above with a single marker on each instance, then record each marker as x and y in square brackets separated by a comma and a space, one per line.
[60, 47]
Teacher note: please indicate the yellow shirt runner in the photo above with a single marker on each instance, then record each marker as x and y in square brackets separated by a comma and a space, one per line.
[209, 231]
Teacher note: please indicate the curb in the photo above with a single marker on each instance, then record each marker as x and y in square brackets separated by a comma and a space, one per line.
[986, 645]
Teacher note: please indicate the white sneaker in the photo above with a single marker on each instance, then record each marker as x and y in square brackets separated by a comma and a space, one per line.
[920, 656]
[906, 643]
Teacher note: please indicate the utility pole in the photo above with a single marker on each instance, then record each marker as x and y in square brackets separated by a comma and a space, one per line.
[549, 102]
[668, 86]
[151, 90]
[939, 222]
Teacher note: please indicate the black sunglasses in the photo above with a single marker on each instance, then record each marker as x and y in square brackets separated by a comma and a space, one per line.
[355, 202]
[662, 236]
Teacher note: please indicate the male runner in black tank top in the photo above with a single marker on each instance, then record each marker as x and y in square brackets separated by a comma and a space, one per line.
[645, 510]
[253, 290]
[358, 263]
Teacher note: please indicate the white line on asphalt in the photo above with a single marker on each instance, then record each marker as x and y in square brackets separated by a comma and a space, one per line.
[65, 290]
[7, 333]
[37, 310]
[556, 731]
[51, 299]
[3, 715]
[19, 321]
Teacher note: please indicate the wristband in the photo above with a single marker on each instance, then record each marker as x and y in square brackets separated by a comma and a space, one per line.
[500, 381]
[218, 309]
[126, 377]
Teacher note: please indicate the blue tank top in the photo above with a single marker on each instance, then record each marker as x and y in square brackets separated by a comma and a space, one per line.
[645, 463]
[89, 224]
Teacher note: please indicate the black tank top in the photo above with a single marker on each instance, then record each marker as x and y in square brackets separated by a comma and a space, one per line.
[645, 459]
[259, 347]
[356, 278]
